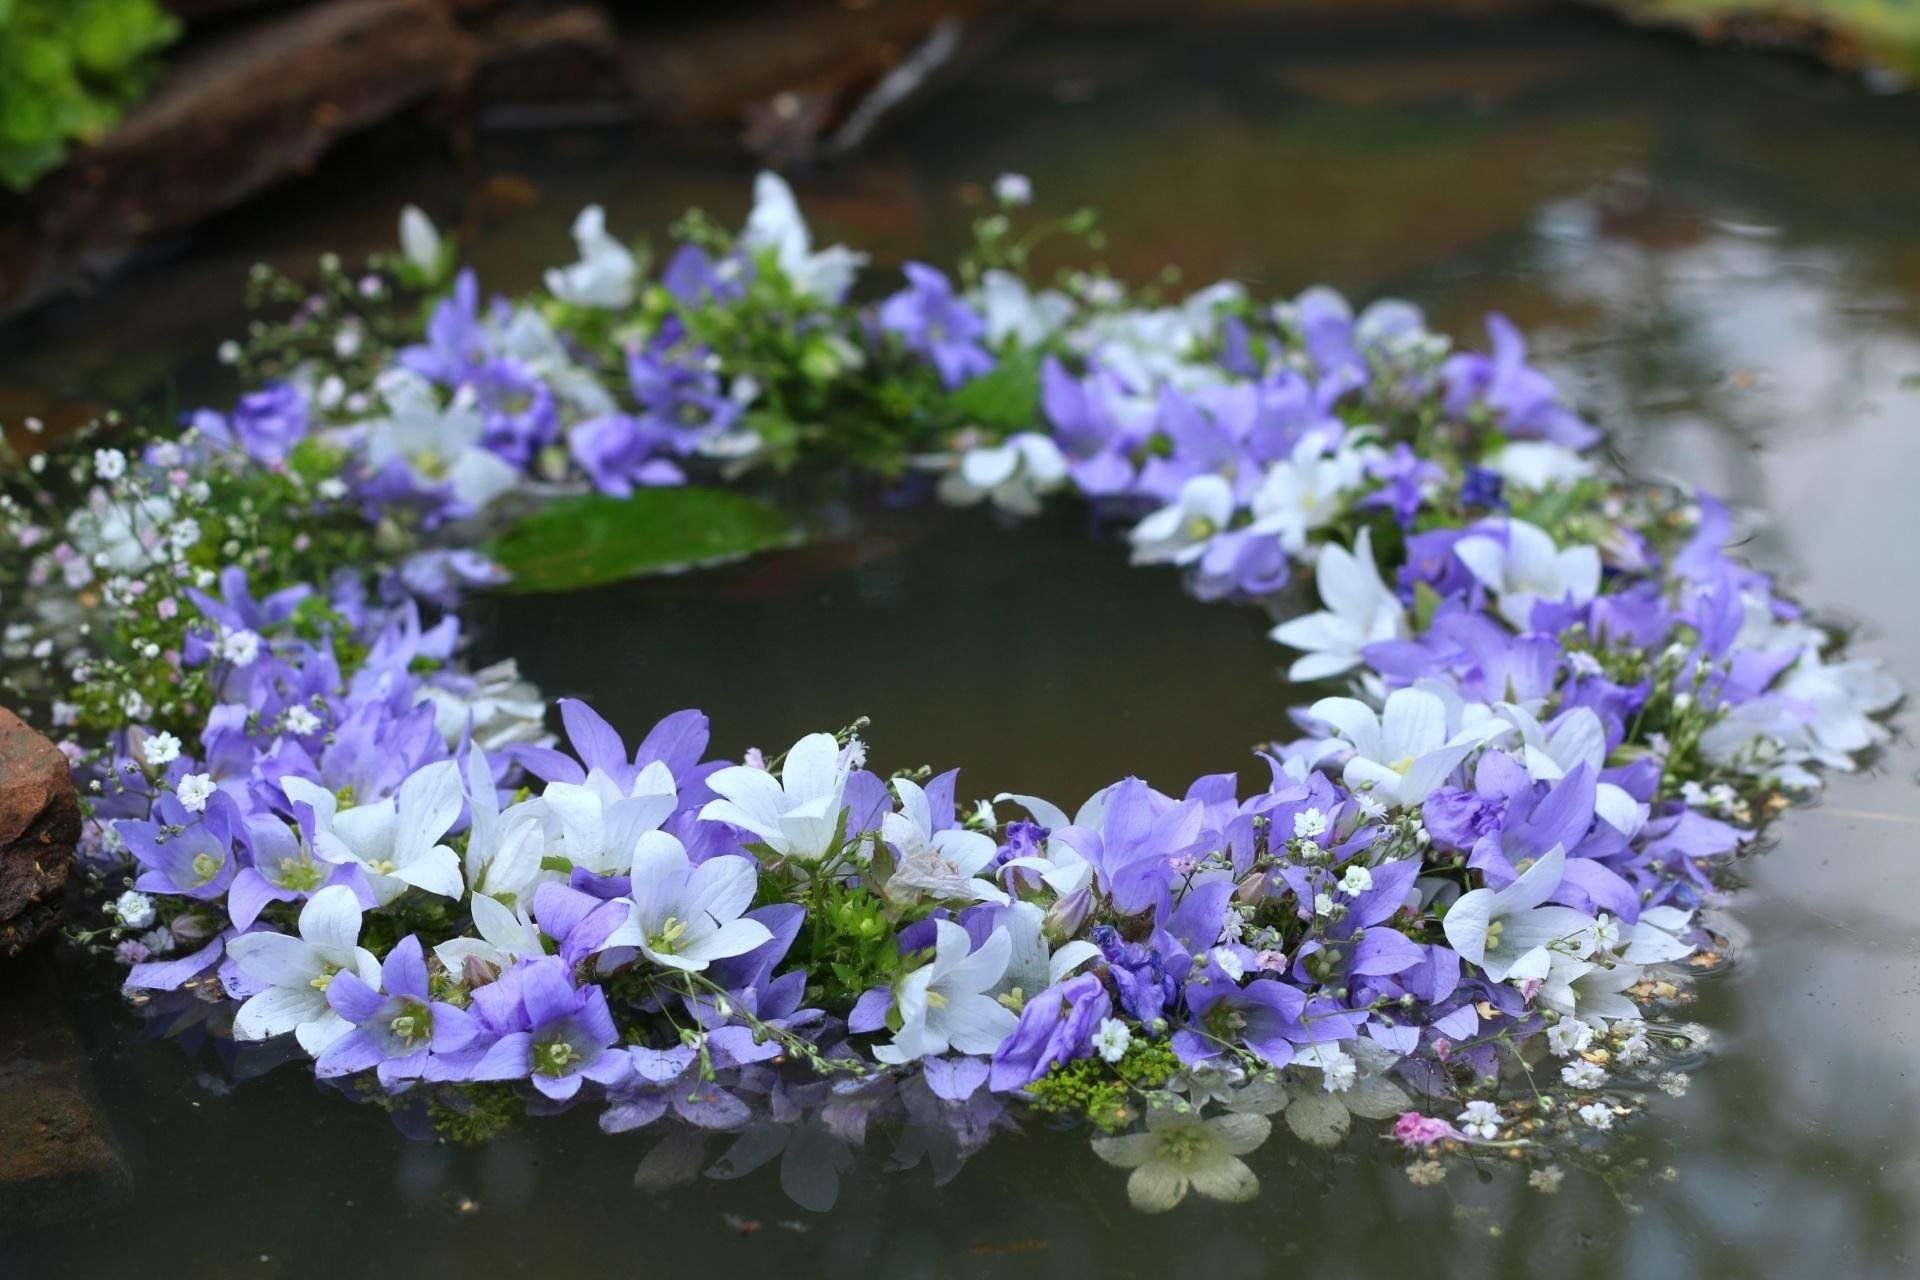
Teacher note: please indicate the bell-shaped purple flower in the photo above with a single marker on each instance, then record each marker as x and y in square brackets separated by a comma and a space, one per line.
[1055, 1028]
[936, 324]
[396, 1027]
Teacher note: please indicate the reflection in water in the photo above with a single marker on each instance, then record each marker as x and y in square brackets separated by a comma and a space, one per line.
[1691, 237]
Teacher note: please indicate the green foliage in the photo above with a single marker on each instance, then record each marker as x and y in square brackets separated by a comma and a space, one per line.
[852, 947]
[598, 538]
[68, 68]
[1103, 1091]
[474, 1113]
[1886, 30]
[1007, 399]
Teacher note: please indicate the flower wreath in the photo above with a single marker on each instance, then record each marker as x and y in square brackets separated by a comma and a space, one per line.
[1565, 707]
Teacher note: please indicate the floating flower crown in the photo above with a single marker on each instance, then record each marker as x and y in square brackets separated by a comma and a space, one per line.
[1482, 862]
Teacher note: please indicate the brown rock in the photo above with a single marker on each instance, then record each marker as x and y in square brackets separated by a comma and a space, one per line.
[39, 826]
[58, 1157]
[234, 114]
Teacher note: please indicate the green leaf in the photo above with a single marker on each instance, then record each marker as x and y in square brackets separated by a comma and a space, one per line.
[1318, 1118]
[1007, 399]
[596, 538]
[1426, 602]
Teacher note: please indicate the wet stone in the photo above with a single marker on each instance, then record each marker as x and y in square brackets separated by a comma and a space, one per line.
[39, 826]
[58, 1158]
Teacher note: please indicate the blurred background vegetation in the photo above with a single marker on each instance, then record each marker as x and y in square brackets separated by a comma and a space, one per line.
[68, 69]
[1851, 33]
[128, 125]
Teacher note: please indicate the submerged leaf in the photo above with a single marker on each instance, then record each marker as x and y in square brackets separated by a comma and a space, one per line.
[596, 539]
[1318, 1118]
[1376, 1098]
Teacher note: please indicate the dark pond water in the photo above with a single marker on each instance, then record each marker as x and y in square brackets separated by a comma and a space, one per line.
[1724, 256]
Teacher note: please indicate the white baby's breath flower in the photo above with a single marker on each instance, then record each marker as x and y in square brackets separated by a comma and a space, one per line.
[1112, 1039]
[1597, 1115]
[241, 648]
[1356, 881]
[1480, 1119]
[1547, 1179]
[109, 464]
[1308, 823]
[1583, 1075]
[135, 909]
[1229, 963]
[194, 791]
[161, 749]
[300, 720]
[1568, 1037]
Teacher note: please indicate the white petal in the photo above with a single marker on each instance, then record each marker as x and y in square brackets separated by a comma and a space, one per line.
[277, 959]
[811, 768]
[276, 1011]
[436, 871]
[722, 888]
[331, 920]
[659, 874]
[975, 1023]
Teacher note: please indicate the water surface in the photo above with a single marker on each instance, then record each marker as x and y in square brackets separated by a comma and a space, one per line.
[1723, 255]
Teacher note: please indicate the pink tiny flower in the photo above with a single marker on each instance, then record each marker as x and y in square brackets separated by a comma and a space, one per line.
[178, 477]
[131, 952]
[754, 758]
[301, 542]
[168, 609]
[1443, 1048]
[1416, 1130]
[1531, 988]
[1271, 961]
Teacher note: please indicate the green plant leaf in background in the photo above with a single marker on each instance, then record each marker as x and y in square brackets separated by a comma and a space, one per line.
[1007, 399]
[1842, 31]
[595, 539]
[68, 69]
